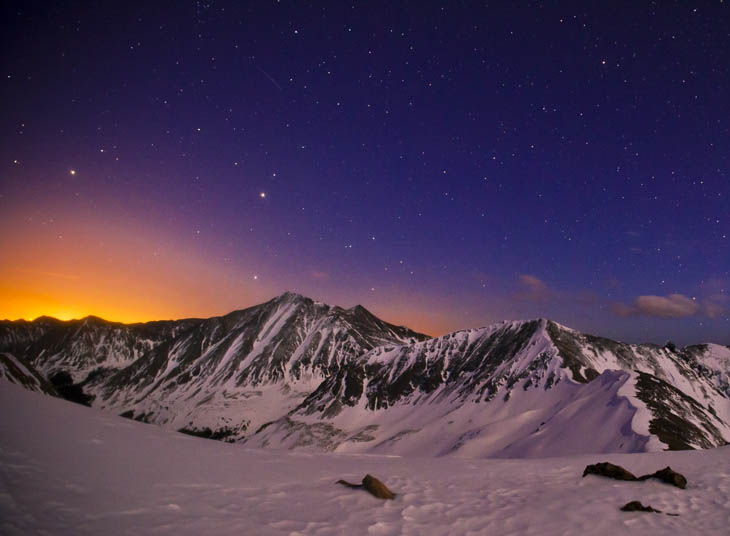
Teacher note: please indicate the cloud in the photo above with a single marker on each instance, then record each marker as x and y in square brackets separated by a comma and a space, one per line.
[533, 283]
[534, 288]
[672, 306]
[716, 305]
[321, 276]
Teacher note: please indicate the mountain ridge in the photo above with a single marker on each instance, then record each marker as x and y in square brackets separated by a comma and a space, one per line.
[296, 373]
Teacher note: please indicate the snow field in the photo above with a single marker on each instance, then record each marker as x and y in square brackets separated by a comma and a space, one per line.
[67, 469]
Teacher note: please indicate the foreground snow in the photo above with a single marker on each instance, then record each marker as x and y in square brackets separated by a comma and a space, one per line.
[67, 469]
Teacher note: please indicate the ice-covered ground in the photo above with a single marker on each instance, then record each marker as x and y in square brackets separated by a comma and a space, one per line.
[67, 469]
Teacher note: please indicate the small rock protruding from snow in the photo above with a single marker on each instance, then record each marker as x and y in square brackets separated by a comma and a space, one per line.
[609, 470]
[636, 506]
[668, 476]
[372, 485]
[377, 488]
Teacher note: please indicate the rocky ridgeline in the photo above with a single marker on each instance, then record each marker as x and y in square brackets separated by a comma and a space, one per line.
[295, 373]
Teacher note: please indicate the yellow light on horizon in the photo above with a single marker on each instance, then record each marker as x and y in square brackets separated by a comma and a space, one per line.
[123, 272]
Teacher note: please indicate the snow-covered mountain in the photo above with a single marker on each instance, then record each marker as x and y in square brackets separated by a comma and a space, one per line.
[523, 389]
[295, 373]
[217, 376]
[17, 370]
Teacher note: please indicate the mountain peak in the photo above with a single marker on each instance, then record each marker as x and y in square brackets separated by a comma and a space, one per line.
[47, 319]
[93, 319]
[358, 309]
[290, 296]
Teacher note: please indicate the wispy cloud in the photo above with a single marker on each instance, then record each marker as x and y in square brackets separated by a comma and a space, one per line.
[672, 306]
[621, 309]
[533, 288]
[716, 305]
[319, 275]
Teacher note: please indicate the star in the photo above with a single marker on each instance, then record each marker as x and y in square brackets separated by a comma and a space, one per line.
[72, 172]
[262, 195]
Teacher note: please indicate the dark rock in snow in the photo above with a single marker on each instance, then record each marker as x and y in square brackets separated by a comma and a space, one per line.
[636, 506]
[668, 476]
[73, 392]
[372, 485]
[609, 470]
[377, 488]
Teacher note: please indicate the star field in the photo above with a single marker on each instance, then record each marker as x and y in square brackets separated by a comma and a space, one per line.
[447, 165]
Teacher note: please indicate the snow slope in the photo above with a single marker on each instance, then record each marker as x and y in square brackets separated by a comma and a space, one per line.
[513, 389]
[70, 470]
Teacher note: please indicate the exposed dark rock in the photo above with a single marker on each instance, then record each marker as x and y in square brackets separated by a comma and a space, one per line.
[377, 488]
[73, 392]
[29, 378]
[571, 354]
[145, 417]
[609, 470]
[636, 506]
[363, 435]
[221, 434]
[668, 476]
[372, 485]
[675, 414]
[297, 434]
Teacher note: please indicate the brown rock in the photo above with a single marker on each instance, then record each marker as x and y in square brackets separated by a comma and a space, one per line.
[668, 476]
[377, 488]
[636, 506]
[609, 470]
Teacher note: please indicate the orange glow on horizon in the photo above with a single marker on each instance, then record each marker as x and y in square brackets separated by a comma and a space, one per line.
[416, 323]
[75, 265]
[81, 265]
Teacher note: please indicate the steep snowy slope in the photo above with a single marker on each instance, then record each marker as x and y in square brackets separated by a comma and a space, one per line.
[513, 389]
[18, 371]
[79, 472]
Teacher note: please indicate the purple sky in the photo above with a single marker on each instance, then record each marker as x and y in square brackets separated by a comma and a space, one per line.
[445, 165]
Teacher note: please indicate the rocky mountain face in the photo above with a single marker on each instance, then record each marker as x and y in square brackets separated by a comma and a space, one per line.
[17, 370]
[294, 373]
[216, 376]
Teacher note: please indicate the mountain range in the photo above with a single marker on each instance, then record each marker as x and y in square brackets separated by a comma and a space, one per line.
[296, 373]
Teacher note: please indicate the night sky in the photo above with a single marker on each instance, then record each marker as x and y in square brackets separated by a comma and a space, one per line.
[446, 165]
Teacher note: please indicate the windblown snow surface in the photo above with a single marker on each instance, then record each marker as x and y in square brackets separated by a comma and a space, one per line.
[67, 469]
